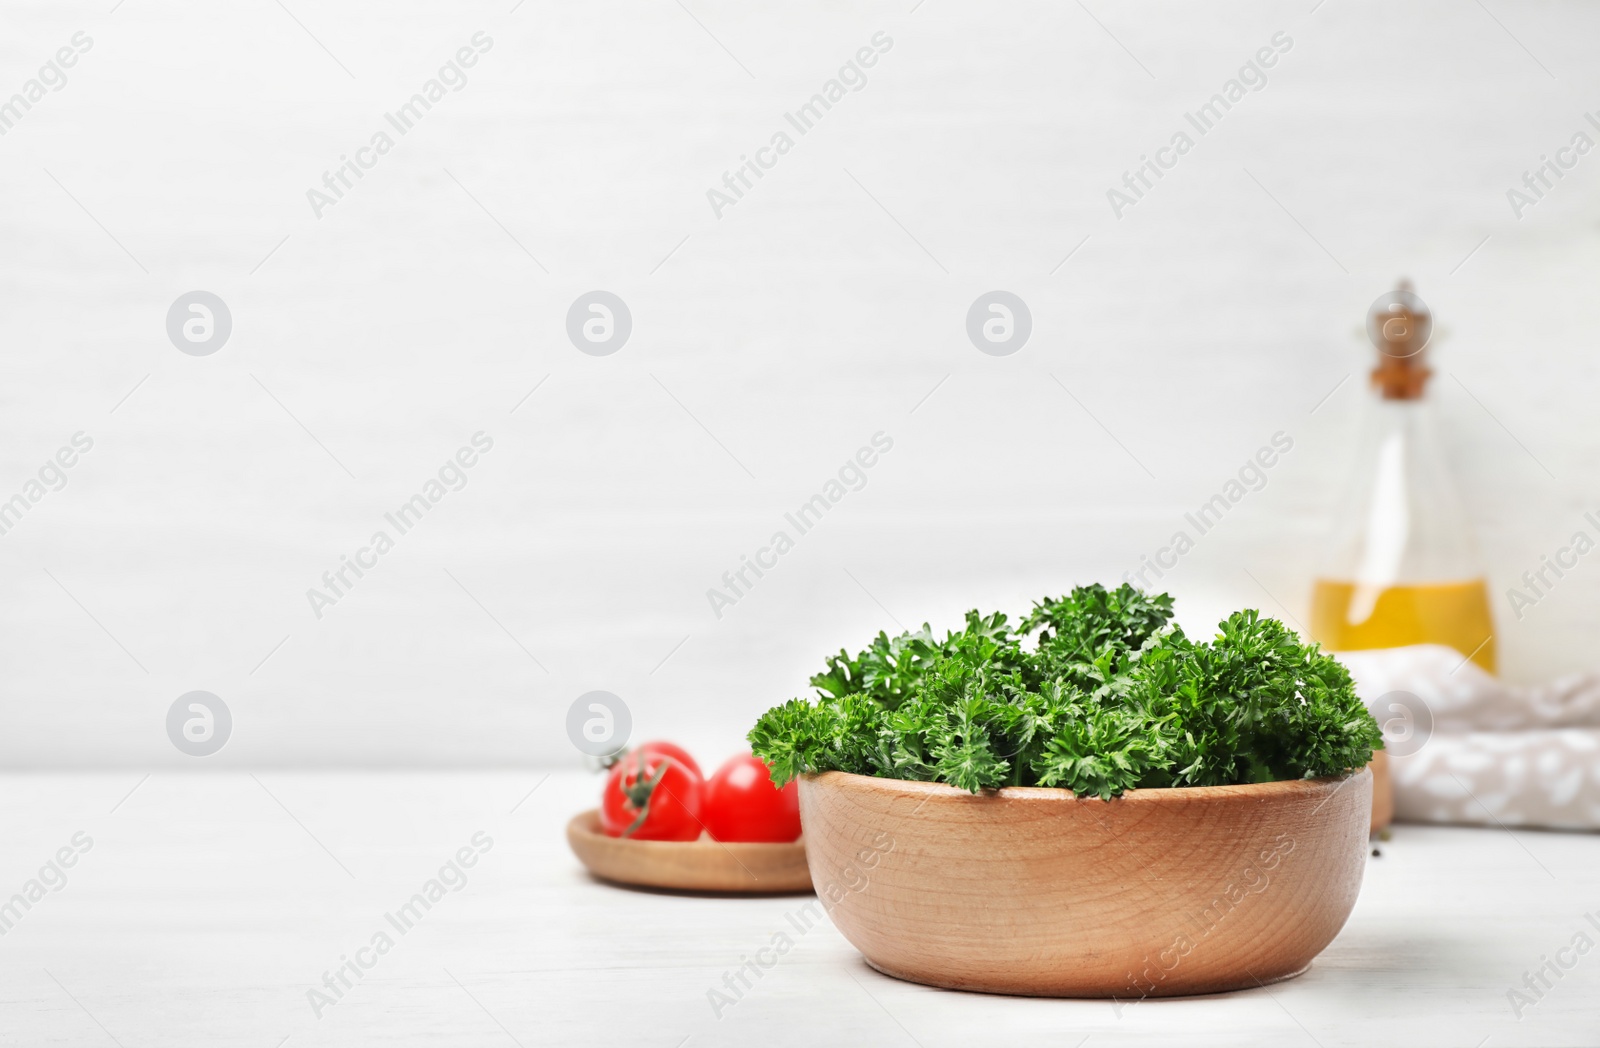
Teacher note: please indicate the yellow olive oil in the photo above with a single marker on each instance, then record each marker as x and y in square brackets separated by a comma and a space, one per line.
[1346, 616]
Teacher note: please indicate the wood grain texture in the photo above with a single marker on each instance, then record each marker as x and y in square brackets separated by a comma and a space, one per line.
[704, 865]
[1033, 891]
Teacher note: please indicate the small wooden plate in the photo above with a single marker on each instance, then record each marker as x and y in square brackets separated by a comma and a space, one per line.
[701, 866]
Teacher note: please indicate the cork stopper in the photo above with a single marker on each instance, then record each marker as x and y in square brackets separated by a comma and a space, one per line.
[1400, 325]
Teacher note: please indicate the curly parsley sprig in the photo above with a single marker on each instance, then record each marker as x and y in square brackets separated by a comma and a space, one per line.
[1096, 692]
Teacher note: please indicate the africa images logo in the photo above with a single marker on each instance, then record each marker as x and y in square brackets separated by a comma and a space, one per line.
[852, 76]
[452, 476]
[405, 118]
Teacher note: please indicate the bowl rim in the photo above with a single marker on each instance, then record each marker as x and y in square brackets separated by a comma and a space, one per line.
[1278, 789]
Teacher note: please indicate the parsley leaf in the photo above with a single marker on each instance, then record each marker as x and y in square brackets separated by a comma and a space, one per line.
[1108, 696]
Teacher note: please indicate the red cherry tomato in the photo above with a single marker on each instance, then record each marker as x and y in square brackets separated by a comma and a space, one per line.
[741, 804]
[651, 798]
[673, 750]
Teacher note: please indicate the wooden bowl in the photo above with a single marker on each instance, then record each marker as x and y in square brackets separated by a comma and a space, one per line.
[704, 865]
[1033, 891]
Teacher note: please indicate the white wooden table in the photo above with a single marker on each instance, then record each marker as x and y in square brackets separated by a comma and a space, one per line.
[208, 905]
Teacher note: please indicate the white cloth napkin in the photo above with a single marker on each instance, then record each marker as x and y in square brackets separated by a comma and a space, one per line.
[1465, 747]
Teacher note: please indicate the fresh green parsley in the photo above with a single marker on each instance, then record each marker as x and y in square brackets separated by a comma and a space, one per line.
[1096, 692]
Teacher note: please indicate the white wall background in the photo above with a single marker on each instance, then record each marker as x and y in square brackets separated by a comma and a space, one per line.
[407, 317]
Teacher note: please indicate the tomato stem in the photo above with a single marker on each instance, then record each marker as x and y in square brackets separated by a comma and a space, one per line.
[640, 792]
